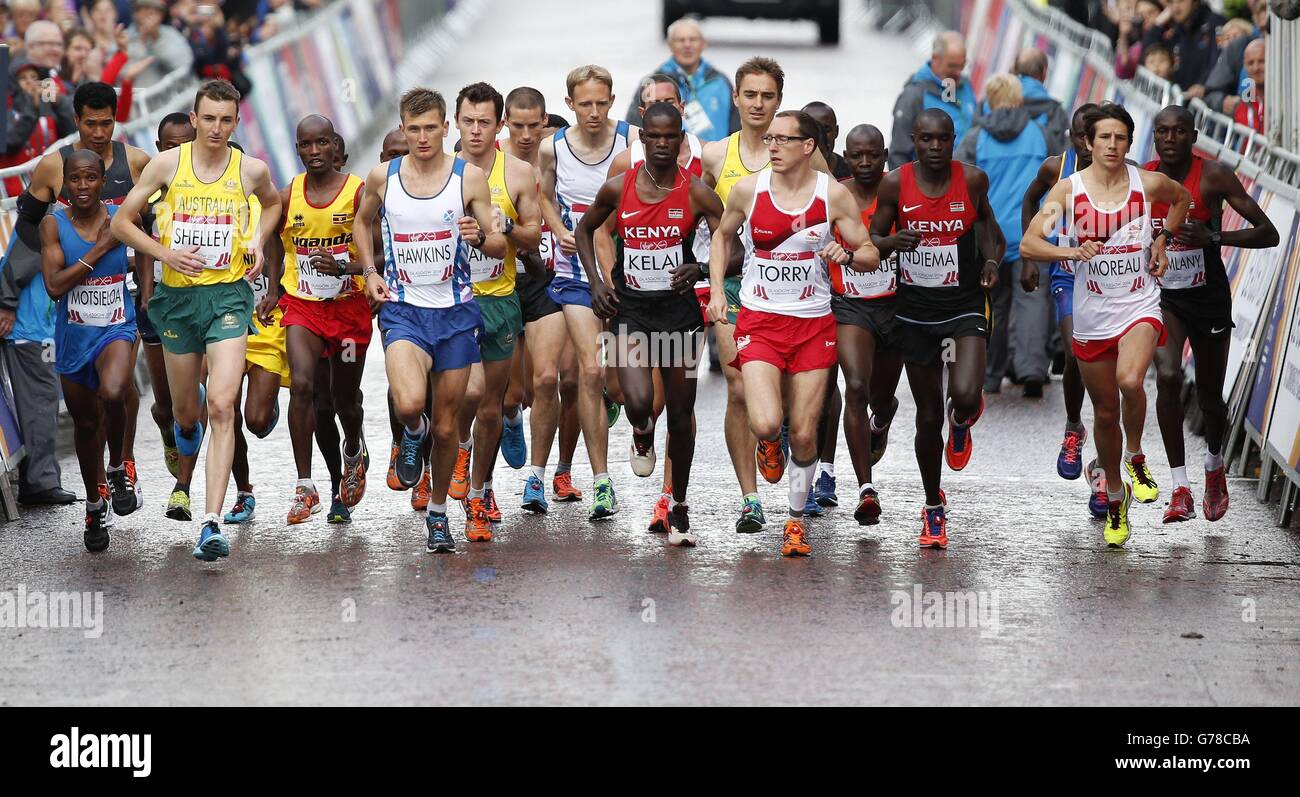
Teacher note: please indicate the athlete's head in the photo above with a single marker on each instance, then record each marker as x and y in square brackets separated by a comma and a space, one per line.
[340, 153]
[95, 106]
[478, 117]
[174, 129]
[591, 93]
[216, 112]
[526, 118]
[316, 146]
[824, 115]
[791, 140]
[659, 88]
[1110, 134]
[932, 135]
[686, 40]
[661, 134]
[1079, 127]
[83, 178]
[759, 83]
[393, 146]
[424, 122]
[1175, 135]
[864, 150]
[948, 55]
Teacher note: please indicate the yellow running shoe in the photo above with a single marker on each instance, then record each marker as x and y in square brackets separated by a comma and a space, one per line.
[1145, 489]
[1117, 530]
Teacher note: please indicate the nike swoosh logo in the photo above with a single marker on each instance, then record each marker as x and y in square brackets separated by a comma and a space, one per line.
[1217, 331]
[630, 215]
[118, 182]
[906, 209]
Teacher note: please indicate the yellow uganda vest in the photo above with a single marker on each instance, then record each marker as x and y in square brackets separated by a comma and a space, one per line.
[308, 227]
[213, 216]
[495, 276]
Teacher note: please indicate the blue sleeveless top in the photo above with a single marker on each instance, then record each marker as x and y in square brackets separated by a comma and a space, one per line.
[97, 309]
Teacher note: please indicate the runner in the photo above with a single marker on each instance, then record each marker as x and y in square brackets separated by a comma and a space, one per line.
[1196, 304]
[651, 306]
[1117, 320]
[432, 206]
[205, 304]
[513, 187]
[942, 308]
[785, 332]
[326, 317]
[863, 305]
[85, 268]
[574, 164]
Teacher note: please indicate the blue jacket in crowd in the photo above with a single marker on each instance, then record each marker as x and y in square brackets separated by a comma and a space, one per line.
[710, 88]
[1009, 146]
[925, 90]
[1045, 110]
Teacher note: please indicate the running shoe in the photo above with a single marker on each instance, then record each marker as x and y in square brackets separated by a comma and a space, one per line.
[868, 511]
[794, 539]
[1117, 529]
[440, 539]
[562, 487]
[305, 504]
[459, 486]
[188, 445]
[420, 494]
[957, 450]
[1144, 488]
[534, 496]
[353, 487]
[490, 501]
[934, 528]
[612, 409]
[178, 506]
[679, 532]
[171, 456]
[824, 491]
[477, 526]
[1069, 463]
[771, 460]
[339, 512]
[641, 455]
[394, 483]
[106, 495]
[1098, 503]
[244, 509]
[513, 445]
[810, 506]
[213, 545]
[125, 500]
[410, 460]
[751, 520]
[659, 521]
[605, 505]
[1181, 505]
[1215, 502]
[96, 534]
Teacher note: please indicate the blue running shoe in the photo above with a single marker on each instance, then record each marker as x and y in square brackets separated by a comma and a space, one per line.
[824, 491]
[213, 545]
[243, 510]
[440, 539]
[410, 460]
[513, 446]
[1069, 463]
[535, 496]
[1098, 500]
[270, 427]
[811, 508]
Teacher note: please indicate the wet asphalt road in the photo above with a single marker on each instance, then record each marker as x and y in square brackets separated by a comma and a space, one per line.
[558, 610]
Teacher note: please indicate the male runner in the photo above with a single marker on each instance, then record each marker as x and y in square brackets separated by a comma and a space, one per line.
[942, 308]
[863, 304]
[1117, 321]
[326, 317]
[785, 332]
[574, 164]
[205, 304]
[651, 306]
[85, 268]
[432, 207]
[513, 186]
[1196, 304]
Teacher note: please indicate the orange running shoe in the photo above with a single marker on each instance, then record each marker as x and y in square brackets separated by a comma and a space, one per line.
[477, 526]
[420, 492]
[771, 460]
[305, 504]
[459, 487]
[394, 483]
[959, 446]
[659, 521]
[794, 539]
[490, 500]
[934, 528]
[353, 486]
[563, 488]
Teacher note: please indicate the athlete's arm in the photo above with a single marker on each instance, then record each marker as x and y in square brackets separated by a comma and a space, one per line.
[527, 233]
[733, 217]
[60, 280]
[144, 279]
[154, 178]
[259, 176]
[478, 203]
[563, 237]
[603, 300]
[47, 178]
[605, 250]
[1042, 183]
[1033, 240]
[621, 163]
[819, 163]
[885, 218]
[275, 254]
[1223, 185]
[136, 160]
[992, 244]
[371, 198]
[34, 203]
[1160, 188]
[711, 157]
[704, 205]
[847, 221]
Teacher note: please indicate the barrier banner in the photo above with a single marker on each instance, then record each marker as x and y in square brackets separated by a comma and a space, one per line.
[1252, 274]
[1267, 373]
[1283, 433]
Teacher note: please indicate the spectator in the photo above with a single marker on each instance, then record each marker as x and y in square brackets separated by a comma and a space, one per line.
[707, 107]
[1031, 68]
[45, 50]
[77, 45]
[1010, 146]
[22, 13]
[1190, 28]
[938, 84]
[149, 37]
[104, 24]
[1227, 79]
[1128, 44]
[273, 17]
[1158, 59]
[84, 63]
[37, 119]
[1249, 110]
[216, 54]
[1234, 29]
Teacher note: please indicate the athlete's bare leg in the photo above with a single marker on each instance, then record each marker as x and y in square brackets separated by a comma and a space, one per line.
[740, 439]
[545, 340]
[132, 407]
[487, 420]
[1136, 350]
[225, 363]
[584, 330]
[304, 360]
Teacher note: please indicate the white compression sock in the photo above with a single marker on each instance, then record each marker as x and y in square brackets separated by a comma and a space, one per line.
[801, 480]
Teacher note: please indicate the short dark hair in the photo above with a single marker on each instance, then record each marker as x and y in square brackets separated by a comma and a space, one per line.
[758, 65]
[177, 118]
[95, 96]
[1109, 110]
[1158, 48]
[77, 156]
[664, 110]
[526, 98]
[808, 127]
[481, 92]
[556, 121]
[340, 144]
[217, 91]
[419, 101]
[657, 78]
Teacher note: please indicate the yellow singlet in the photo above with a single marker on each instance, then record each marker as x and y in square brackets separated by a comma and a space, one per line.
[211, 216]
[307, 227]
[496, 276]
[733, 168]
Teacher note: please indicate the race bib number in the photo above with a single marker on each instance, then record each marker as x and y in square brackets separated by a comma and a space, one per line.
[260, 286]
[929, 266]
[697, 119]
[483, 268]
[651, 268]
[98, 302]
[1186, 269]
[784, 276]
[545, 249]
[1120, 268]
[872, 284]
[213, 235]
[312, 283]
[424, 258]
